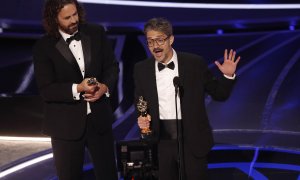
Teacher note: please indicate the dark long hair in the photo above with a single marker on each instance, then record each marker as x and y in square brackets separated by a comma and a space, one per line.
[51, 10]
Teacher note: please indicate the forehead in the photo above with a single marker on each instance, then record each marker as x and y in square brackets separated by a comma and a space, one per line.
[67, 10]
[152, 34]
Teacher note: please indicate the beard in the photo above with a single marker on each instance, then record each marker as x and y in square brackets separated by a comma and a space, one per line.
[70, 29]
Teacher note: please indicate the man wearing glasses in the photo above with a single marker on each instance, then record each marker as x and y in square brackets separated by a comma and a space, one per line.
[154, 82]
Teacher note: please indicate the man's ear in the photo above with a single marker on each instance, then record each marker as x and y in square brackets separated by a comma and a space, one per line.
[171, 39]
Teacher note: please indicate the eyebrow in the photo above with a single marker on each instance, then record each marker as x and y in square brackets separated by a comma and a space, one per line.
[71, 15]
[159, 37]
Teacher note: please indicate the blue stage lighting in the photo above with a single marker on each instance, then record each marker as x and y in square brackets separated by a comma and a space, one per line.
[220, 31]
[292, 27]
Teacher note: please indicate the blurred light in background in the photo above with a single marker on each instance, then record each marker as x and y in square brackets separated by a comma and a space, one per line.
[292, 27]
[220, 31]
[193, 5]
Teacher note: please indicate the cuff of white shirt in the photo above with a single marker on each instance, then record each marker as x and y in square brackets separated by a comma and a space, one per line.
[76, 95]
[230, 77]
[107, 93]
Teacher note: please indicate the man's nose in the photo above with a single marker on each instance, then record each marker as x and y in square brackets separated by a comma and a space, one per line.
[73, 19]
[155, 44]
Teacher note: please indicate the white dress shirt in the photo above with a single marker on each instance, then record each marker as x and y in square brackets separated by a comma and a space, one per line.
[166, 91]
[76, 49]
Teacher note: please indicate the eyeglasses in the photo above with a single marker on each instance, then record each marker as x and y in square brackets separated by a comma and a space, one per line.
[159, 41]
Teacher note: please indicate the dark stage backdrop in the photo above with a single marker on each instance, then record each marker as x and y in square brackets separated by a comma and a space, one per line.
[262, 111]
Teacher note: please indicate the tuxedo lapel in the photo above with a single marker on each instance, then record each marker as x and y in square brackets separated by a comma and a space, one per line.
[153, 96]
[152, 79]
[152, 88]
[181, 68]
[64, 50]
[86, 48]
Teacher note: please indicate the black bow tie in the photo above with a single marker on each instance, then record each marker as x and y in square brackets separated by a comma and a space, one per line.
[76, 37]
[161, 66]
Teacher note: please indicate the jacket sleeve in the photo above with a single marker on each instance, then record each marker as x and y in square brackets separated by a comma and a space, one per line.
[218, 88]
[50, 89]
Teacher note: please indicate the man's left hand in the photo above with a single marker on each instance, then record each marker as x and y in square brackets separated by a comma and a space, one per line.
[229, 65]
[101, 90]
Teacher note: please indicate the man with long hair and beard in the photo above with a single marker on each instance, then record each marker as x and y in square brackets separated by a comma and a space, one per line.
[76, 70]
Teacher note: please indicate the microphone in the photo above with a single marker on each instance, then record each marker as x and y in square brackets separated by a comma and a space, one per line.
[176, 81]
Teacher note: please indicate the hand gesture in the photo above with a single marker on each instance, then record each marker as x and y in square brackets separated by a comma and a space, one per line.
[86, 87]
[97, 94]
[229, 65]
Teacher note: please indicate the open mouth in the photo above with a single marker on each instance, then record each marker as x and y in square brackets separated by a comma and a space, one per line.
[158, 52]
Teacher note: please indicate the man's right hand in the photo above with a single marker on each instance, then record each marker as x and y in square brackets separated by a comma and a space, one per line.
[85, 87]
[144, 122]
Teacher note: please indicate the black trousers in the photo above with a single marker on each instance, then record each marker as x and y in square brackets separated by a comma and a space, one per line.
[195, 168]
[69, 155]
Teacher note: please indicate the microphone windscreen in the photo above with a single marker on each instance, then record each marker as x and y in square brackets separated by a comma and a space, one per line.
[176, 81]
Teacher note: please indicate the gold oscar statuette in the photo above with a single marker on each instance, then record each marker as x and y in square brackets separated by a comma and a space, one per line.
[142, 108]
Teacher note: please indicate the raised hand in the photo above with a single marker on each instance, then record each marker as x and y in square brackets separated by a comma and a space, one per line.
[229, 65]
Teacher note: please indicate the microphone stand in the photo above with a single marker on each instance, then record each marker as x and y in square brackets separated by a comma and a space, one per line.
[179, 139]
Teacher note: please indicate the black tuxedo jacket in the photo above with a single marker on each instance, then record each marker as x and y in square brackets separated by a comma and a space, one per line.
[195, 80]
[56, 70]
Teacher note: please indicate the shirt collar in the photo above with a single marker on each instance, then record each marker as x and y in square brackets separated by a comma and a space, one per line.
[64, 35]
